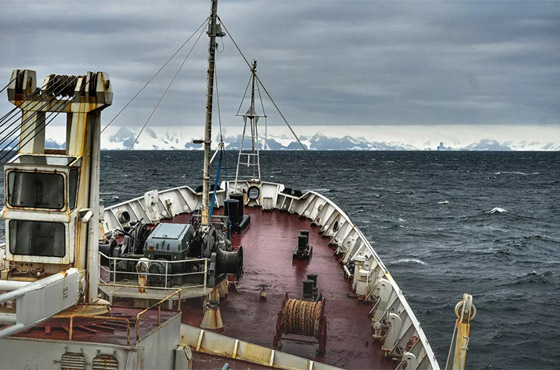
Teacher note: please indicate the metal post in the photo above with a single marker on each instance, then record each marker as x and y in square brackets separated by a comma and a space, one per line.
[205, 273]
[166, 267]
[159, 314]
[253, 118]
[208, 126]
[179, 300]
[253, 155]
[239, 156]
[71, 327]
[115, 271]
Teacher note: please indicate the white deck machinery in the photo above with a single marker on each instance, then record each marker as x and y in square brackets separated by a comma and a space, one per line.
[49, 268]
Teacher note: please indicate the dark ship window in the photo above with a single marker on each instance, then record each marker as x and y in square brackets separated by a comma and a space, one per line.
[72, 188]
[36, 190]
[37, 238]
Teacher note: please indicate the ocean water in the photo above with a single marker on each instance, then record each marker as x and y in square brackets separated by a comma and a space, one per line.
[444, 223]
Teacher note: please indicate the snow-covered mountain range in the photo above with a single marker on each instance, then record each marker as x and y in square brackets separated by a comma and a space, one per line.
[168, 139]
[121, 138]
[180, 140]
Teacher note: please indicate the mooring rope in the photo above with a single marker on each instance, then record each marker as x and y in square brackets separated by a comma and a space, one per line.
[301, 317]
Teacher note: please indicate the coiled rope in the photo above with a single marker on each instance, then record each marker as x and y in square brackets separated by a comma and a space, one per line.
[301, 317]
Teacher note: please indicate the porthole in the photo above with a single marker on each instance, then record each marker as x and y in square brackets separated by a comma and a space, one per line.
[253, 193]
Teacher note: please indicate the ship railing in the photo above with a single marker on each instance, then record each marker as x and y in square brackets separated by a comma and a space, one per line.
[157, 305]
[322, 212]
[112, 273]
[104, 318]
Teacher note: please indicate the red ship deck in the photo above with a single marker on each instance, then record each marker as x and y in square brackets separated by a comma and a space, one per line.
[268, 245]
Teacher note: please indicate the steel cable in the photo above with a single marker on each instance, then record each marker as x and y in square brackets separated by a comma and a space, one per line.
[304, 148]
[154, 76]
[55, 113]
[244, 95]
[7, 115]
[218, 103]
[265, 118]
[33, 115]
[166, 90]
[27, 100]
[5, 87]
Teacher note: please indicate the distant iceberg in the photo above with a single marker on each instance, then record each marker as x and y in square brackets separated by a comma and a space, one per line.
[496, 210]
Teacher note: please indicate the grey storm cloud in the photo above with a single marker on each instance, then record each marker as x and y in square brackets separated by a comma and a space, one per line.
[324, 62]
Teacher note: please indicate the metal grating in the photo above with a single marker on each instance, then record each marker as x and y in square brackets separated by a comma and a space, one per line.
[105, 362]
[73, 361]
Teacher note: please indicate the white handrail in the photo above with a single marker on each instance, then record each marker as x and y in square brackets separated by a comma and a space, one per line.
[114, 271]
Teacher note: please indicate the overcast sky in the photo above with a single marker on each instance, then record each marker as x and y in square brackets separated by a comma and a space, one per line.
[325, 62]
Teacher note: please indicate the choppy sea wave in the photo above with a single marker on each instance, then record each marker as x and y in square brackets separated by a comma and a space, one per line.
[453, 235]
[408, 260]
[496, 210]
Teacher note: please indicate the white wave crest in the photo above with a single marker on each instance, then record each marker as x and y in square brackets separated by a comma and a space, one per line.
[515, 173]
[496, 210]
[443, 202]
[409, 260]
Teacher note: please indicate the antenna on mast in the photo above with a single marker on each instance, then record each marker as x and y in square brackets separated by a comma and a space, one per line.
[214, 30]
[250, 158]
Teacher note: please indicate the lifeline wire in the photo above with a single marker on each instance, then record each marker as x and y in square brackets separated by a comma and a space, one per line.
[154, 76]
[166, 90]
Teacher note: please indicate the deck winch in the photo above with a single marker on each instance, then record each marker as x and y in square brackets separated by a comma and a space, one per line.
[168, 247]
[304, 318]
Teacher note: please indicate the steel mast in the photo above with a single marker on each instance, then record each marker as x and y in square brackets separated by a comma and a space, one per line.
[253, 156]
[214, 30]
